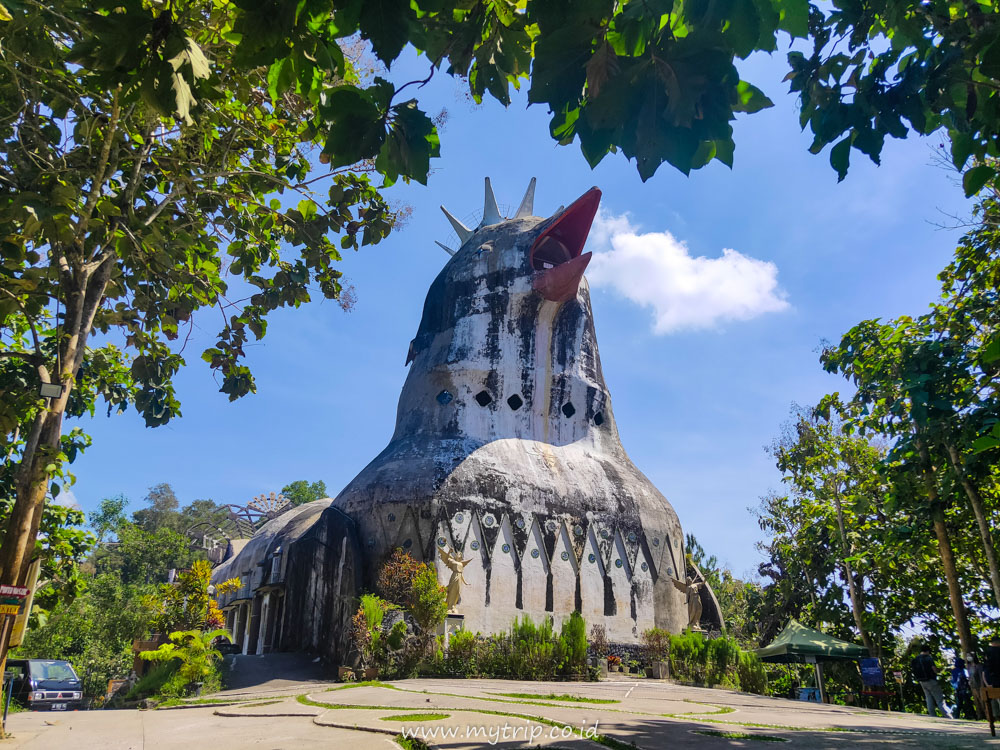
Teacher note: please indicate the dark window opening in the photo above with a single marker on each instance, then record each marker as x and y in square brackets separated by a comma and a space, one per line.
[550, 253]
[515, 402]
[568, 409]
[444, 398]
[599, 419]
[483, 398]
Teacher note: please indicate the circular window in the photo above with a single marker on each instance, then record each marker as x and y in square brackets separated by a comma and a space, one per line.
[644, 567]
[489, 520]
[656, 542]
[459, 518]
[670, 571]
[392, 516]
[618, 563]
[520, 523]
[591, 558]
[564, 555]
[550, 525]
[506, 548]
[578, 530]
[631, 536]
[407, 544]
[534, 553]
[474, 545]
[605, 534]
[442, 541]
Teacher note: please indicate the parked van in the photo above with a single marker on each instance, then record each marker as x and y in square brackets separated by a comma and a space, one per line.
[45, 684]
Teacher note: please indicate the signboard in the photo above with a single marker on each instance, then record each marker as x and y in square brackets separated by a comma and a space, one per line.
[17, 592]
[9, 609]
[898, 676]
[21, 621]
[871, 673]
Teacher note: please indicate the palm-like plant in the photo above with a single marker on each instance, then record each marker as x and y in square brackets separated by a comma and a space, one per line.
[193, 649]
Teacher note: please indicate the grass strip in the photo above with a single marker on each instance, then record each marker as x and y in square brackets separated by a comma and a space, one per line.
[739, 735]
[364, 683]
[687, 714]
[411, 743]
[415, 717]
[176, 702]
[559, 697]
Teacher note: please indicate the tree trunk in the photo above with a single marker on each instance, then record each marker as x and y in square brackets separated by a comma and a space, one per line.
[857, 608]
[945, 550]
[84, 293]
[977, 508]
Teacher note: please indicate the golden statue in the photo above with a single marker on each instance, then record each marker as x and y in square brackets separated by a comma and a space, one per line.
[692, 590]
[456, 565]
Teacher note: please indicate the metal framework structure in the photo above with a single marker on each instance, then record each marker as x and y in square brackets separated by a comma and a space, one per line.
[243, 522]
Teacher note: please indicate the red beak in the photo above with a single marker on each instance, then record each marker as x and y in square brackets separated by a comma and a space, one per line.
[557, 254]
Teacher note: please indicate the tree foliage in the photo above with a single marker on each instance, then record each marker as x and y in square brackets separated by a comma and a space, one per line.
[63, 545]
[897, 487]
[300, 491]
[93, 631]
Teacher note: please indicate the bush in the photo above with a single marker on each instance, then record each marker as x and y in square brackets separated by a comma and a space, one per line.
[655, 645]
[573, 644]
[752, 675]
[528, 651]
[366, 630]
[716, 661]
[428, 601]
[396, 576]
[599, 641]
[153, 681]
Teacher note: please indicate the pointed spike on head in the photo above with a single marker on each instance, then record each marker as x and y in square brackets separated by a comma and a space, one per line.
[461, 230]
[444, 247]
[491, 214]
[527, 202]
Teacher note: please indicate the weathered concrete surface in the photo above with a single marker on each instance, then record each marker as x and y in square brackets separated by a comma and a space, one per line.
[506, 447]
[168, 730]
[637, 717]
[249, 675]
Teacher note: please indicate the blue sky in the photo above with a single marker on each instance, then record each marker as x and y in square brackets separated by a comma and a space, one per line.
[700, 380]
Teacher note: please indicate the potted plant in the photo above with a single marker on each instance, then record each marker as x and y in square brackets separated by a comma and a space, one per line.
[614, 663]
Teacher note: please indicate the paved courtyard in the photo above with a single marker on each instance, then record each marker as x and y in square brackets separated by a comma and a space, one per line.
[280, 714]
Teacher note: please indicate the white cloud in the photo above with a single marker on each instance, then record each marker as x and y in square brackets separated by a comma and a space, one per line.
[67, 498]
[656, 270]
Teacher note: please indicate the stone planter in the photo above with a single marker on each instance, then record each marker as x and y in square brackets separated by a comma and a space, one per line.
[370, 674]
[345, 674]
[658, 670]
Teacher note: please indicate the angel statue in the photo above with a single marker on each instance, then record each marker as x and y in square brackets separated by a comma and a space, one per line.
[692, 590]
[456, 565]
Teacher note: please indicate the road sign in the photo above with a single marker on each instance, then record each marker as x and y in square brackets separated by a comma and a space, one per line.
[9, 609]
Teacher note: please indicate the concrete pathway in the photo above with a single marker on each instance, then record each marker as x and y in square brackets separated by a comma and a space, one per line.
[302, 711]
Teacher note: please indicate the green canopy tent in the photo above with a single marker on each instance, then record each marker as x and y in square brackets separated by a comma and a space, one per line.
[801, 645]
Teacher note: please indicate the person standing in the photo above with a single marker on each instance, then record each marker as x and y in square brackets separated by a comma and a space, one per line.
[992, 669]
[977, 680]
[963, 692]
[926, 674]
